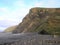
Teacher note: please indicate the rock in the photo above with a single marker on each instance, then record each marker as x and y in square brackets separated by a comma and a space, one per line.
[40, 18]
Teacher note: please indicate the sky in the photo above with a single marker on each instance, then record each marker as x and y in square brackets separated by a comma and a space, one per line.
[13, 11]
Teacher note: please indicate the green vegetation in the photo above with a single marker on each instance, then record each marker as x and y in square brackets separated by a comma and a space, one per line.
[10, 29]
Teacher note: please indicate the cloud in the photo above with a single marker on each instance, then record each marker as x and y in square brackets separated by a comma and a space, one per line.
[6, 23]
[2, 29]
[19, 3]
[11, 17]
[3, 9]
[48, 3]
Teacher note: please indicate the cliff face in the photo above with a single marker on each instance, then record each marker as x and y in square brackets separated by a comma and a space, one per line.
[40, 19]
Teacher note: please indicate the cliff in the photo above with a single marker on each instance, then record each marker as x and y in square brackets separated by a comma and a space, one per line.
[10, 29]
[39, 19]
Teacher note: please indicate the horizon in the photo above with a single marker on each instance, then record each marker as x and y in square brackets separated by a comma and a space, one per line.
[13, 11]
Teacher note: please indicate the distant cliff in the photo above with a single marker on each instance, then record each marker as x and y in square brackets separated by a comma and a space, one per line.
[38, 19]
[10, 29]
